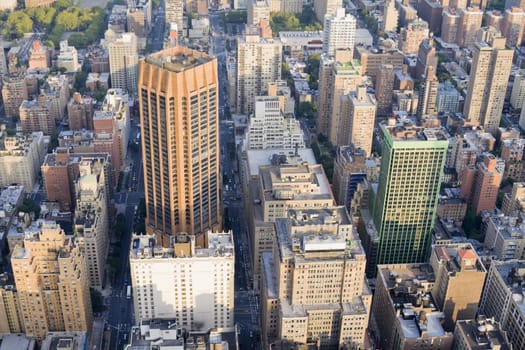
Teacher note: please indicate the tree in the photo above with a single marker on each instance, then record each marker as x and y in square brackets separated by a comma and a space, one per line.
[69, 20]
[18, 23]
[307, 110]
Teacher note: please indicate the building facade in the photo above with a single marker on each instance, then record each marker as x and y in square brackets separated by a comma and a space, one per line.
[179, 94]
[489, 76]
[191, 285]
[259, 62]
[52, 283]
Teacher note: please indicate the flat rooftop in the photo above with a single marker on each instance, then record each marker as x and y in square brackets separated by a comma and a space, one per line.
[178, 59]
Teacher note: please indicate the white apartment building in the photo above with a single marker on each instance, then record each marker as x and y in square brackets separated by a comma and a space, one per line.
[192, 285]
[259, 62]
[21, 157]
[123, 61]
[269, 129]
[68, 57]
[339, 32]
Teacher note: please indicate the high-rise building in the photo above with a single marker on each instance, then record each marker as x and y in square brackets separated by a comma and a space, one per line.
[175, 14]
[9, 315]
[494, 19]
[407, 13]
[482, 190]
[404, 204]
[476, 334]
[450, 25]
[35, 117]
[259, 62]
[384, 89]
[448, 98]
[469, 24]
[52, 283]
[20, 159]
[426, 107]
[68, 57]
[278, 189]
[411, 36]
[431, 12]
[313, 286]
[178, 103]
[14, 92]
[503, 298]
[326, 7]
[372, 59]
[455, 266]
[268, 128]
[3, 63]
[55, 94]
[61, 169]
[191, 285]
[351, 168]
[123, 61]
[39, 56]
[517, 96]
[80, 111]
[513, 26]
[489, 76]
[358, 114]
[257, 10]
[409, 319]
[426, 57]
[338, 32]
[390, 17]
[91, 222]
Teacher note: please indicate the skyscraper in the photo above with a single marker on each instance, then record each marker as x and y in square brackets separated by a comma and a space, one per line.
[123, 60]
[178, 102]
[339, 32]
[404, 206]
[489, 75]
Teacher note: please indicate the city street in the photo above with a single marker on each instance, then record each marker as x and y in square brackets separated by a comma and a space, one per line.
[120, 315]
[246, 302]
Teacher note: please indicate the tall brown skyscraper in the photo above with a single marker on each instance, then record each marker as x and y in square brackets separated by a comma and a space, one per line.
[178, 99]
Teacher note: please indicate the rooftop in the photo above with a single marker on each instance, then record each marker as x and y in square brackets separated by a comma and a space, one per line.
[295, 182]
[178, 59]
[483, 334]
[182, 246]
[409, 286]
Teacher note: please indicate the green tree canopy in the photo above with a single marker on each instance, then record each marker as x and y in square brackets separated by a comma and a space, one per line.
[18, 23]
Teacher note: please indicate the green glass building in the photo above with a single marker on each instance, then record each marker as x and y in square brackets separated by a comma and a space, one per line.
[405, 201]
